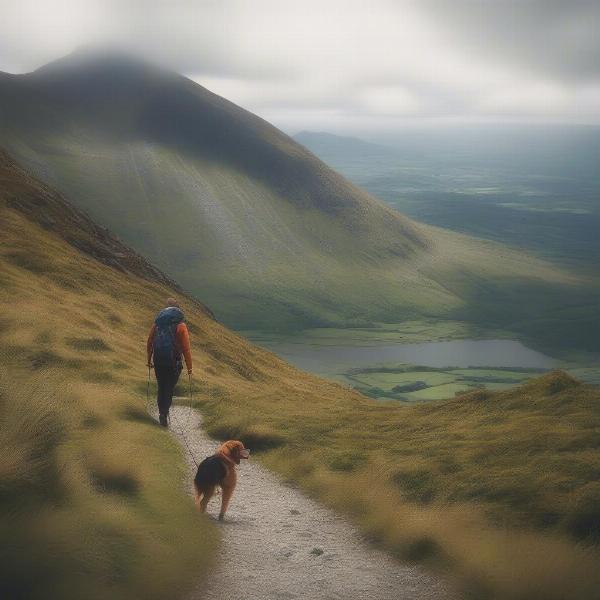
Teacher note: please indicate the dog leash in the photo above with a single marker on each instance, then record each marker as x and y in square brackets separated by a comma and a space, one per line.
[182, 435]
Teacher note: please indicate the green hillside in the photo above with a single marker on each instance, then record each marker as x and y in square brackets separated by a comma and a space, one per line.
[92, 491]
[251, 222]
[533, 187]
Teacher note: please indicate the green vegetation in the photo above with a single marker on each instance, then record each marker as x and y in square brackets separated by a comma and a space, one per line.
[86, 513]
[482, 485]
[91, 490]
[411, 331]
[353, 357]
[410, 383]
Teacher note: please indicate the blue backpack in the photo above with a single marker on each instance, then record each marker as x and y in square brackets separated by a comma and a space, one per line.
[165, 351]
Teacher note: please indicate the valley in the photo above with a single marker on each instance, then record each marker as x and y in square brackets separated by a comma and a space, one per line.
[532, 187]
[419, 480]
[520, 192]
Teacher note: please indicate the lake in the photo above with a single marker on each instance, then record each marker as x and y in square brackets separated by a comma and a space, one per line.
[455, 353]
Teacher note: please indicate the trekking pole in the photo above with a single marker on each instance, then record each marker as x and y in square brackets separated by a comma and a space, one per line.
[191, 397]
[148, 391]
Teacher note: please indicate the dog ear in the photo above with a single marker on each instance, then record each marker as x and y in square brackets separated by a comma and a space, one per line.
[224, 448]
[241, 451]
[231, 449]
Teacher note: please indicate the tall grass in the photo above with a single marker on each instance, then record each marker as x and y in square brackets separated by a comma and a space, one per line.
[93, 494]
[92, 504]
[498, 489]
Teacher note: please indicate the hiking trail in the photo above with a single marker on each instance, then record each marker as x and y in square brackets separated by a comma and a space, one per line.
[278, 544]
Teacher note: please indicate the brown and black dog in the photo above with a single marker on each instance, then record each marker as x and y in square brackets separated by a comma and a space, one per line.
[219, 470]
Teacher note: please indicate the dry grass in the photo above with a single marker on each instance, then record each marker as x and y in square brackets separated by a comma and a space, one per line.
[500, 490]
[92, 492]
[86, 512]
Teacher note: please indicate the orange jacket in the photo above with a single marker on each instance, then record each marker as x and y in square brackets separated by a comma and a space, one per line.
[182, 341]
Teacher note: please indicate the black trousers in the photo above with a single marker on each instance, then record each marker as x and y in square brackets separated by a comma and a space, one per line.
[166, 380]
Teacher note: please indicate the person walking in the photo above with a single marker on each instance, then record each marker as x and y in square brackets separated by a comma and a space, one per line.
[168, 340]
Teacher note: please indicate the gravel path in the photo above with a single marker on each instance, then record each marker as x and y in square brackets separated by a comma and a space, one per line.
[278, 544]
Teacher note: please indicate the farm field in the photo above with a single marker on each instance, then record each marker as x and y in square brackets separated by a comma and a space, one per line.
[408, 383]
[438, 359]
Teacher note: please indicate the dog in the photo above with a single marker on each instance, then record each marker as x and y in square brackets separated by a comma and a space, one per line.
[219, 470]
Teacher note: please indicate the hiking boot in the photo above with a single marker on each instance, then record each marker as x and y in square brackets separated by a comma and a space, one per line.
[162, 419]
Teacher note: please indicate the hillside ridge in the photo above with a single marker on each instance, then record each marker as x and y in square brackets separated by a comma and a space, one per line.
[46, 207]
[102, 78]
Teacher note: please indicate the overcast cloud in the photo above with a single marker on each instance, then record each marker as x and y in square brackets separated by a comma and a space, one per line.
[344, 64]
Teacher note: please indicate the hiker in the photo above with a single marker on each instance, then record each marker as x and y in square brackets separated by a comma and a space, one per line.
[168, 340]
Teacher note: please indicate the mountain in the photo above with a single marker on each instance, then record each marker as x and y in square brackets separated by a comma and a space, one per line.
[247, 219]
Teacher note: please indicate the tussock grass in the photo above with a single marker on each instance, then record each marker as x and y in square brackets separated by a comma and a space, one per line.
[91, 505]
[499, 489]
[32, 429]
[90, 344]
[93, 494]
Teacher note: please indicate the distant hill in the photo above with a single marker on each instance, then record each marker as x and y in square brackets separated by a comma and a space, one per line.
[531, 187]
[244, 217]
[325, 145]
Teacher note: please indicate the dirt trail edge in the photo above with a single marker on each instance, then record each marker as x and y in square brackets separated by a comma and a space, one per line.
[278, 544]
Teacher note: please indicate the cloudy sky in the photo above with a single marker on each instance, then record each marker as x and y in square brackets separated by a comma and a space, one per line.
[344, 65]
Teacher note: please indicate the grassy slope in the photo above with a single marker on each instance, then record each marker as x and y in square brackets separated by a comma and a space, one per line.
[82, 505]
[92, 494]
[91, 491]
[254, 224]
[483, 485]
